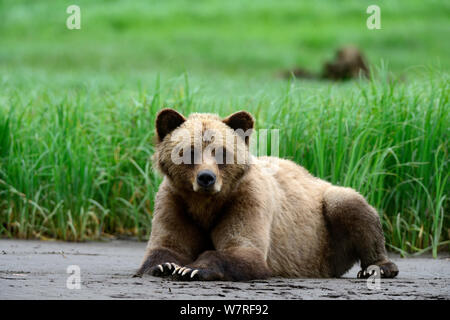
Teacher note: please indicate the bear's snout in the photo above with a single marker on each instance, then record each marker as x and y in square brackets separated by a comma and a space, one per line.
[206, 178]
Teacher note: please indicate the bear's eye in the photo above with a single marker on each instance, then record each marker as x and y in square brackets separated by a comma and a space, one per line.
[192, 160]
[220, 155]
[189, 157]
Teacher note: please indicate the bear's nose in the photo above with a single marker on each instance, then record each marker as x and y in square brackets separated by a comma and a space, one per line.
[206, 178]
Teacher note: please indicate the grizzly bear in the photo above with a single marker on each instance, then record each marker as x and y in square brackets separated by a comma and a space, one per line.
[223, 214]
[348, 63]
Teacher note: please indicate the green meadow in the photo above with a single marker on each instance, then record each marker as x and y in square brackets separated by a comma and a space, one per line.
[77, 107]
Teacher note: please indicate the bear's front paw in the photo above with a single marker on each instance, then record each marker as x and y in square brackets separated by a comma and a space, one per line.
[387, 270]
[192, 274]
[164, 269]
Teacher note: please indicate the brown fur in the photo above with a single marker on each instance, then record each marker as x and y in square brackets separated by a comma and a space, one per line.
[254, 223]
[349, 63]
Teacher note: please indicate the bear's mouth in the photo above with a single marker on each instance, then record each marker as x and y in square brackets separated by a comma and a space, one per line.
[211, 190]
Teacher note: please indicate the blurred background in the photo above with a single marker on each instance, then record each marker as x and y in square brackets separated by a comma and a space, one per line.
[218, 38]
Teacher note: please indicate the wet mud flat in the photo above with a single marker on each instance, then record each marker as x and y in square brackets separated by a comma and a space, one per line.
[39, 270]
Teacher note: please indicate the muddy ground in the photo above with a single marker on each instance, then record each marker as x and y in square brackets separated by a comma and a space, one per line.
[38, 270]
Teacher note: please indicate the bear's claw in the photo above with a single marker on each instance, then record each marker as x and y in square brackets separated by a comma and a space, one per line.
[193, 274]
[364, 274]
[185, 274]
[164, 269]
[387, 270]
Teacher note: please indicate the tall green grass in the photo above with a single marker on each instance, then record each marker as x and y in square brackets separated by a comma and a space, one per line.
[76, 165]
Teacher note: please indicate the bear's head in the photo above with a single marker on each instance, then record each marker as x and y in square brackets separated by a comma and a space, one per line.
[203, 153]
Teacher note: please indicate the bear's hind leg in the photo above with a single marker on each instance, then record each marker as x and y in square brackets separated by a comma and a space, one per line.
[355, 233]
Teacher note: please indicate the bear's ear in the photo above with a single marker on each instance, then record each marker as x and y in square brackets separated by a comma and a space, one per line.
[240, 120]
[167, 120]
